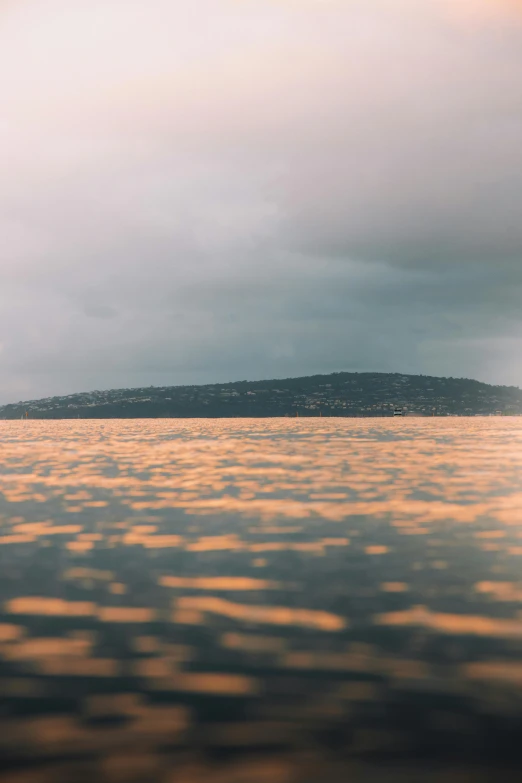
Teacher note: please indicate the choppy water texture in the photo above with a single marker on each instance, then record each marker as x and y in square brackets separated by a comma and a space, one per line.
[260, 600]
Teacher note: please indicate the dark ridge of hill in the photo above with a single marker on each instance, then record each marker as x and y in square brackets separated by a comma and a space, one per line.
[338, 394]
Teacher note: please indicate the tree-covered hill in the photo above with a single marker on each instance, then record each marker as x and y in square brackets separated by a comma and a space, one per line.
[338, 394]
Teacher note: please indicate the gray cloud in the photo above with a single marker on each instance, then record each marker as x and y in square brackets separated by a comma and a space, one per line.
[214, 190]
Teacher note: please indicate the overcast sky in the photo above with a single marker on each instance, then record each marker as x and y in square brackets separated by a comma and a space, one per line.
[237, 189]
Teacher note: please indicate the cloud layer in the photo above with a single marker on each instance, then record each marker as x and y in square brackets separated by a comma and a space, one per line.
[223, 190]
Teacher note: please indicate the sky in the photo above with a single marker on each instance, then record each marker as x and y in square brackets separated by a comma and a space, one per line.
[222, 190]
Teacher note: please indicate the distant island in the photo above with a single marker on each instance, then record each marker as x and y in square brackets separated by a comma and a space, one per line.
[338, 394]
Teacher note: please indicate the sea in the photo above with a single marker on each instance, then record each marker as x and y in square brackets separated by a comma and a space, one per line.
[316, 600]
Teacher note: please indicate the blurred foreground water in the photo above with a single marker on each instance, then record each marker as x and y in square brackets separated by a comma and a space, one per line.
[261, 601]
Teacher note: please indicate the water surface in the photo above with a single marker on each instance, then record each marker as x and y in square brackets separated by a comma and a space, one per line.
[260, 600]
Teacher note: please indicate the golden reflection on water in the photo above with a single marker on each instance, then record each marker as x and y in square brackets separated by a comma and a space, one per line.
[254, 585]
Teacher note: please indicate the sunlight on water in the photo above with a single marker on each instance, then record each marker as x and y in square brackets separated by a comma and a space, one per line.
[193, 600]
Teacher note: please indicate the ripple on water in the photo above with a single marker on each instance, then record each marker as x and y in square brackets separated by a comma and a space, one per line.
[340, 587]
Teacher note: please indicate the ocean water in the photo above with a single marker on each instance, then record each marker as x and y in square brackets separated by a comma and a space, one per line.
[260, 601]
